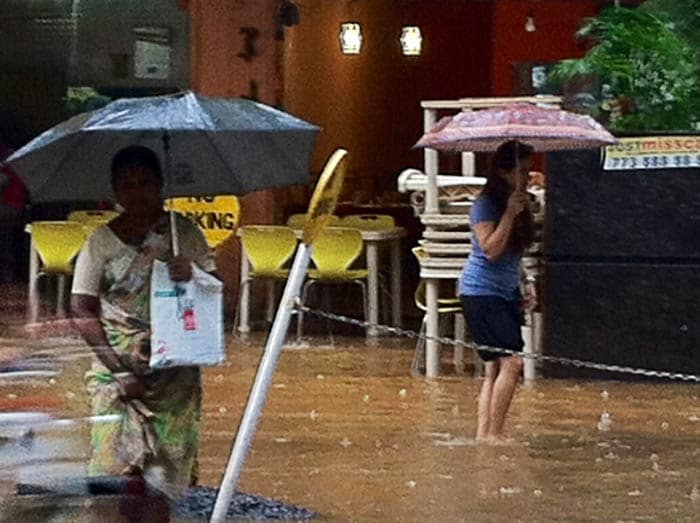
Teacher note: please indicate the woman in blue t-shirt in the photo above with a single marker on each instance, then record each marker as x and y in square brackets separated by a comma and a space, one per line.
[502, 229]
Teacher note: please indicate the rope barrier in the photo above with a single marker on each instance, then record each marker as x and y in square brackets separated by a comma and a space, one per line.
[676, 376]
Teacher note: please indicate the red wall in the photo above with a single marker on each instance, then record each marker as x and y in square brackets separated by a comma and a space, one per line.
[370, 103]
[557, 22]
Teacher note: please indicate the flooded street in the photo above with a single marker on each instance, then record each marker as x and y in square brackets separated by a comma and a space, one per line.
[347, 433]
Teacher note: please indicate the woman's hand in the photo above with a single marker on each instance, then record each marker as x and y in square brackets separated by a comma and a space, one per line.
[130, 386]
[180, 268]
[516, 203]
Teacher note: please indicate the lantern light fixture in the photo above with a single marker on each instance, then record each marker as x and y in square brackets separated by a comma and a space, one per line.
[350, 38]
[530, 25]
[411, 40]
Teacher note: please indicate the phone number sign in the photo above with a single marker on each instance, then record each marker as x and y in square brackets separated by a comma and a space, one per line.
[660, 152]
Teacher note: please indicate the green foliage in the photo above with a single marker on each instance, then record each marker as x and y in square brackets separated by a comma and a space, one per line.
[81, 99]
[647, 67]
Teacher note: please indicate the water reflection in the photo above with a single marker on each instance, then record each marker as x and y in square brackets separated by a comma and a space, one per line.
[348, 433]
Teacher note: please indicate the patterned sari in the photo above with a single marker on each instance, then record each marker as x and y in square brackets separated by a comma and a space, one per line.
[158, 434]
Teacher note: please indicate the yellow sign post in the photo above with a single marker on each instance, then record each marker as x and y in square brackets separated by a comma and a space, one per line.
[321, 207]
[216, 216]
[325, 196]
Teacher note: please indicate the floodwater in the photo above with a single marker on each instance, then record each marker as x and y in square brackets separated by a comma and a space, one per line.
[346, 432]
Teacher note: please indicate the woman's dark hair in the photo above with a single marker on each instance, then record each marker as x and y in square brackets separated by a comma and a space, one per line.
[506, 158]
[135, 156]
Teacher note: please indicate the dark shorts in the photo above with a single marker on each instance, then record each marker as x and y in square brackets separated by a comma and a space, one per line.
[495, 322]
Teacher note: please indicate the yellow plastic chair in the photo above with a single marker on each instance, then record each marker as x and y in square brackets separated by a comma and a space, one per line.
[333, 252]
[296, 221]
[268, 248]
[368, 222]
[57, 243]
[446, 306]
[373, 222]
[92, 218]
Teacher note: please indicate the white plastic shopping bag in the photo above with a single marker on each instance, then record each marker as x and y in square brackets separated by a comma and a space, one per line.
[187, 327]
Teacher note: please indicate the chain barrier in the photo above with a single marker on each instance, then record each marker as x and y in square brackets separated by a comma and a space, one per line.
[537, 357]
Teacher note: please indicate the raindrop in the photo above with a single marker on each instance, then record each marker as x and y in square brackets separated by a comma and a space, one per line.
[655, 467]
[320, 377]
[279, 386]
[52, 381]
[445, 476]
[282, 440]
[313, 414]
[604, 395]
[455, 410]
[605, 422]
[537, 492]
[695, 494]
[345, 442]
[634, 493]
[509, 491]
[11, 396]
[313, 472]
[222, 409]
[403, 393]
[664, 425]
[411, 484]
[219, 378]
[70, 395]
[365, 398]
[611, 456]
[540, 394]
[378, 444]
[693, 418]
[395, 446]
[654, 457]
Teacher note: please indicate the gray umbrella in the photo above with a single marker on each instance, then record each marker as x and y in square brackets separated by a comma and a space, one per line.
[216, 146]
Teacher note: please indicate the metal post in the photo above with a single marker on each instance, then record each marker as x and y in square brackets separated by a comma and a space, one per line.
[372, 287]
[33, 291]
[432, 328]
[528, 348]
[263, 379]
[431, 166]
[244, 303]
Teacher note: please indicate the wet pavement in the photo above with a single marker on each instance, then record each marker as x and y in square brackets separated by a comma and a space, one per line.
[347, 433]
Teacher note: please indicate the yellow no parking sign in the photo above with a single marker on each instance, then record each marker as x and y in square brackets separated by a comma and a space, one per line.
[216, 216]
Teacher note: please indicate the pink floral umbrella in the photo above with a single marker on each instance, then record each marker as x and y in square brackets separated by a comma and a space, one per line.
[544, 129]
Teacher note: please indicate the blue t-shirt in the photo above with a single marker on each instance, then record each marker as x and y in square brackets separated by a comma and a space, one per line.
[482, 277]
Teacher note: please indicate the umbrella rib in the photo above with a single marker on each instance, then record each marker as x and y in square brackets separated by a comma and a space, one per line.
[222, 160]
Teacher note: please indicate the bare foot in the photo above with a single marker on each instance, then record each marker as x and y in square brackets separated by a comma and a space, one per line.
[499, 440]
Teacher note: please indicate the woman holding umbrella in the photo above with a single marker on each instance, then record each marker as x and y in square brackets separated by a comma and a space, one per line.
[490, 284]
[156, 437]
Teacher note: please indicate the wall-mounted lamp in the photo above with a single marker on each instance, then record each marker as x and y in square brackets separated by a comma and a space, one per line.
[530, 26]
[411, 40]
[350, 38]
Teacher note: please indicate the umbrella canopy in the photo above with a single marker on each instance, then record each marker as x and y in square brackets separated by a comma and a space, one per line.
[544, 129]
[216, 146]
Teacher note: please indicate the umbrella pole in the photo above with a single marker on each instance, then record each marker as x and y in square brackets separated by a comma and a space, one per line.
[518, 179]
[169, 181]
